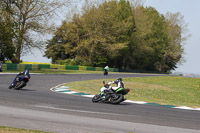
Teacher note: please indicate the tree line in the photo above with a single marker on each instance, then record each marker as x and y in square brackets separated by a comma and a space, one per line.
[119, 34]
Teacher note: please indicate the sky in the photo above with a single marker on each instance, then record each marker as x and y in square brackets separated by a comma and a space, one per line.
[190, 9]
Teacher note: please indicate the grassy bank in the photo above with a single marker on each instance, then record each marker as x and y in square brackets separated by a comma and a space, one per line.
[4, 129]
[179, 91]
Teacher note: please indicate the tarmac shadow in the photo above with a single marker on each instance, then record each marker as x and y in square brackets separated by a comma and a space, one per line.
[27, 90]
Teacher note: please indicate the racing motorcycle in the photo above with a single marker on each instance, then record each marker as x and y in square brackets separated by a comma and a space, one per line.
[105, 72]
[20, 80]
[111, 96]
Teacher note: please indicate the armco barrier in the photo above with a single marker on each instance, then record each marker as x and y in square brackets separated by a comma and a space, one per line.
[4, 67]
[90, 68]
[22, 67]
[11, 66]
[83, 68]
[34, 66]
[72, 67]
[53, 66]
[116, 70]
[61, 67]
[43, 66]
[28, 66]
[99, 68]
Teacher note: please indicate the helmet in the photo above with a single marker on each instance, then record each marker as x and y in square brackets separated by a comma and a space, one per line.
[106, 85]
[119, 79]
[26, 72]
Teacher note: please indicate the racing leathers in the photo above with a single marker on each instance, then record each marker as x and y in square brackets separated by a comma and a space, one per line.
[108, 88]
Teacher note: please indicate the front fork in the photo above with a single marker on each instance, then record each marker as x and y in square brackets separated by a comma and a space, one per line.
[14, 81]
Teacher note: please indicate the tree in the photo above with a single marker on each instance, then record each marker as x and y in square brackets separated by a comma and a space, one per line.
[6, 34]
[177, 30]
[152, 46]
[97, 36]
[31, 17]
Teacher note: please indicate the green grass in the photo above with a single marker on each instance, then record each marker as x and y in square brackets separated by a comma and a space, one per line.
[178, 91]
[4, 129]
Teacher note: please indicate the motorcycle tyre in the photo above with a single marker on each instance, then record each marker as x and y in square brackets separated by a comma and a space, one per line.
[96, 98]
[119, 100]
[10, 87]
[22, 84]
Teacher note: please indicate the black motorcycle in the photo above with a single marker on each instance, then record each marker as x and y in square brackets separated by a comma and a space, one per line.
[111, 96]
[105, 72]
[20, 80]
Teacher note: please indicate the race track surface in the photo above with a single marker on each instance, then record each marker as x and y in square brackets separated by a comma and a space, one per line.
[36, 107]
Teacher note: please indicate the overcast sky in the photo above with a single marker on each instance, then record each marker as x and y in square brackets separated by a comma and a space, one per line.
[190, 9]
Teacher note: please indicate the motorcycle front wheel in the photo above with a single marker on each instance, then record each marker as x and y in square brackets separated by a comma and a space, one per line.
[19, 85]
[96, 98]
[116, 99]
[10, 87]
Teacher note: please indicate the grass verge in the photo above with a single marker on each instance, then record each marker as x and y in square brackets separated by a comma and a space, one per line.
[167, 90]
[4, 129]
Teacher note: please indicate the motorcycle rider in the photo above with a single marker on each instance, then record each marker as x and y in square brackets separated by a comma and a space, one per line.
[21, 74]
[25, 73]
[107, 88]
[106, 70]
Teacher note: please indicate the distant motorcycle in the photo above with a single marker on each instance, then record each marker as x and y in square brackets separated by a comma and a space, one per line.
[105, 72]
[20, 80]
[111, 96]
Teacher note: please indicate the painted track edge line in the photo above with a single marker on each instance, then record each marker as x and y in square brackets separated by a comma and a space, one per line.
[127, 101]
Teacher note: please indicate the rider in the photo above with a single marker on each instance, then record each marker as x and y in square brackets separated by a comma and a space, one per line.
[119, 82]
[106, 70]
[108, 88]
[25, 73]
[20, 75]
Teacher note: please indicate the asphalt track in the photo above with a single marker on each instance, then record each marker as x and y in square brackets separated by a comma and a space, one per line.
[36, 107]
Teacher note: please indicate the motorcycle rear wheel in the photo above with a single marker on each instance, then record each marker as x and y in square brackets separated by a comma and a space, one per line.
[117, 99]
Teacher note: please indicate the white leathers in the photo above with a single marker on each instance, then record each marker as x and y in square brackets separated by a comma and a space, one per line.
[120, 84]
[104, 88]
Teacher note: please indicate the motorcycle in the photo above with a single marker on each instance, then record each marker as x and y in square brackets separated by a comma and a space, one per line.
[111, 96]
[105, 72]
[20, 80]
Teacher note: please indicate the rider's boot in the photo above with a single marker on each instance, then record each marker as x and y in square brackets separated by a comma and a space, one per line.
[102, 96]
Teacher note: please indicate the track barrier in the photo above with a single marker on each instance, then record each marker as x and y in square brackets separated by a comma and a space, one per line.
[38, 67]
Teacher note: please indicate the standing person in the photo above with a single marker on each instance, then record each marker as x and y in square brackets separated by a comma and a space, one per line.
[106, 70]
[1, 66]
